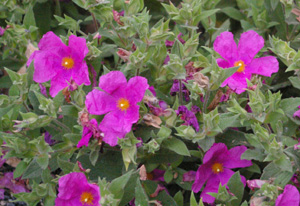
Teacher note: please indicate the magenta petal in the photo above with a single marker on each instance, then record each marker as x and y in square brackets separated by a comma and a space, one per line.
[289, 197]
[57, 84]
[226, 47]
[212, 185]
[44, 66]
[98, 102]
[234, 159]
[131, 116]
[51, 42]
[112, 81]
[81, 76]
[225, 175]
[112, 126]
[78, 44]
[86, 135]
[189, 176]
[137, 87]
[204, 173]
[223, 63]
[215, 152]
[249, 45]
[237, 82]
[69, 181]
[264, 66]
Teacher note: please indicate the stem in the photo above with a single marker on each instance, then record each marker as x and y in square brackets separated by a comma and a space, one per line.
[81, 32]
[95, 21]
[206, 100]
[26, 107]
[57, 10]
[55, 127]
[118, 35]
[137, 72]
[62, 125]
[180, 92]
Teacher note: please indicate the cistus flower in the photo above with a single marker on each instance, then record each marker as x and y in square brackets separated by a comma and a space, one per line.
[289, 197]
[118, 101]
[242, 56]
[14, 185]
[216, 168]
[189, 116]
[60, 63]
[89, 129]
[74, 190]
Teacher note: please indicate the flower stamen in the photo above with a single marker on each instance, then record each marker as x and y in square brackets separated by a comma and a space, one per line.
[241, 66]
[217, 168]
[86, 198]
[67, 63]
[123, 104]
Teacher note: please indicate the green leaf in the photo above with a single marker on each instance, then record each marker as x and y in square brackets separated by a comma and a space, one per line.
[207, 13]
[295, 82]
[176, 145]
[33, 170]
[236, 186]
[43, 160]
[168, 176]
[164, 132]
[117, 185]
[179, 198]
[193, 201]
[20, 169]
[140, 195]
[29, 19]
[233, 13]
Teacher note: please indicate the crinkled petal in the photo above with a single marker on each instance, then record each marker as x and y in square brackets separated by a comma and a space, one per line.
[131, 116]
[216, 153]
[234, 159]
[249, 45]
[86, 135]
[226, 47]
[68, 184]
[58, 83]
[223, 63]
[264, 66]
[237, 82]
[289, 197]
[45, 66]
[81, 75]
[51, 42]
[112, 81]
[212, 185]
[203, 173]
[78, 44]
[136, 88]
[98, 102]
[112, 126]
[225, 175]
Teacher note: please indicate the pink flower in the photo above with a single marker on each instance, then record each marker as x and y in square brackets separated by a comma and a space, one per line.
[118, 101]
[289, 197]
[14, 185]
[243, 56]
[257, 183]
[89, 129]
[74, 190]
[60, 63]
[215, 169]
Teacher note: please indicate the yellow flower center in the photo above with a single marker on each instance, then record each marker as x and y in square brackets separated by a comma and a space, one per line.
[86, 198]
[217, 168]
[241, 66]
[67, 63]
[123, 104]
